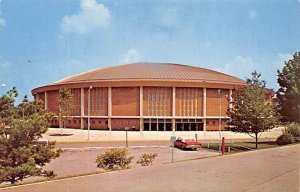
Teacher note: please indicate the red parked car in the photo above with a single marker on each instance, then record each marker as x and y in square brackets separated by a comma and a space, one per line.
[187, 144]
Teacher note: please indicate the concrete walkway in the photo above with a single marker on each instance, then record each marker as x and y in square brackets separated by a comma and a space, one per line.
[78, 135]
[275, 169]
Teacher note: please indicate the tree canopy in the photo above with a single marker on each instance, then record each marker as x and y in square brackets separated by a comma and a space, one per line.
[65, 105]
[22, 155]
[289, 92]
[251, 114]
[7, 109]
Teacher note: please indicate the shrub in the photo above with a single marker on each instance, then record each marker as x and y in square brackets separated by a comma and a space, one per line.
[294, 130]
[285, 139]
[114, 159]
[146, 159]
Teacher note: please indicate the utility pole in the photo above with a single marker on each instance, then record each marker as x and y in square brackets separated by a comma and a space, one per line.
[126, 130]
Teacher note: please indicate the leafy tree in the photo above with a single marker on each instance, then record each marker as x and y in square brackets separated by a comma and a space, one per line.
[289, 91]
[65, 106]
[21, 154]
[7, 109]
[251, 114]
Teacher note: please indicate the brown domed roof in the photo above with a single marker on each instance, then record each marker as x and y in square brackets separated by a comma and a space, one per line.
[152, 72]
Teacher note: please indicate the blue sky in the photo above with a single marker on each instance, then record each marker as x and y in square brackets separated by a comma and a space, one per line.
[42, 41]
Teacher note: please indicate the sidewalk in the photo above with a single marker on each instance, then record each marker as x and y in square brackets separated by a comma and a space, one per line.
[78, 135]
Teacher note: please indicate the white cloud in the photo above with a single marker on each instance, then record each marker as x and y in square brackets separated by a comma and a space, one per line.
[2, 22]
[91, 17]
[4, 63]
[240, 67]
[131, 56]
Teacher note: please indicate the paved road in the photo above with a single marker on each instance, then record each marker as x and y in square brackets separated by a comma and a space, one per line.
[264, 170]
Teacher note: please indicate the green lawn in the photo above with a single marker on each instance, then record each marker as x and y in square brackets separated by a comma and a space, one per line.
[240, 146]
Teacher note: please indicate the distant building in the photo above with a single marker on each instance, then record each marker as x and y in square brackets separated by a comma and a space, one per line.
[145, 97]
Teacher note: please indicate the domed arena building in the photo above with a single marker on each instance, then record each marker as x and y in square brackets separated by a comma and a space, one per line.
[145, 97]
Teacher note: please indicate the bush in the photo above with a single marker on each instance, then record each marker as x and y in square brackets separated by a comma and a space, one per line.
[146, 159]
[285, 139]
[114, 159]
[294, 130]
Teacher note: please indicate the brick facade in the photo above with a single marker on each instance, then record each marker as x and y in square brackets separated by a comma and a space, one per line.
[52, 101]
[157, 106]
[145, 96]
[98, 101]
[189, 102]
[120, 124]
[125, 101]
[213, 124]
[213, 102]
[157, 101]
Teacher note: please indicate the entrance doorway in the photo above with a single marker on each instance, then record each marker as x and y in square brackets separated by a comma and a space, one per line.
[157, 125]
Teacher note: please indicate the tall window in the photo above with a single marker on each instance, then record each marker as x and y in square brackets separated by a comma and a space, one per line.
[98, 100]
[157, 101]
[77, 101]
[149, 104]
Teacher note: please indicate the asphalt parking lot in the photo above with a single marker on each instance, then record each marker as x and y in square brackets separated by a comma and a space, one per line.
[79, 161]
[275, 169]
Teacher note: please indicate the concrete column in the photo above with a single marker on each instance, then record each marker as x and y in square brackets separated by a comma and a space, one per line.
[173, 102]
[141, 102]
[173, 108]
[230, 98]
[141, 109]
[46, 100]
[81, 108]
[60, 124]
[173, 124]
[141, 124]
[204, 109]
[109, 108]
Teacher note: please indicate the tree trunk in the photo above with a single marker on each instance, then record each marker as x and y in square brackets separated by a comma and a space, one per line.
[299, 114]
[12, 180]
[256, 139]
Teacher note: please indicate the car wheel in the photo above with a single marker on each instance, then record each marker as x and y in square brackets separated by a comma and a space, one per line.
[182, 147]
